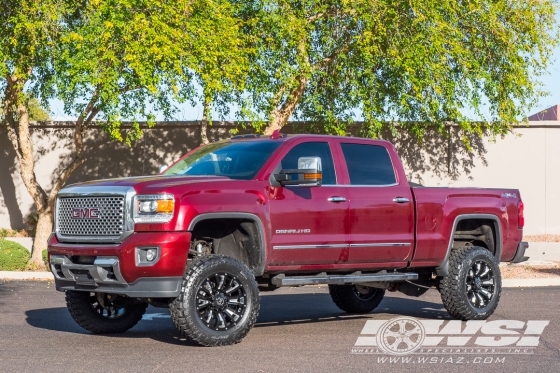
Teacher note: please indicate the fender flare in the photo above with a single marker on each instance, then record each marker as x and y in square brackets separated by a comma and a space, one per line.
[443, 268]
[259, 269]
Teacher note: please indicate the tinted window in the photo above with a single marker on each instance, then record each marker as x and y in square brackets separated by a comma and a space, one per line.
[312, 149]
[368, 164]
[236, 160]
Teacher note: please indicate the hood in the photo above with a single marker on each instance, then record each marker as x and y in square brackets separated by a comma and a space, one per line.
[146, 183]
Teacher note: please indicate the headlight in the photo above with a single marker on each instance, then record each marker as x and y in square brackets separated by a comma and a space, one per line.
[153, 208]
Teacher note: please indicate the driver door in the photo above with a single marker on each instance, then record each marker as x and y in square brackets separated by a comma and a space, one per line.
[309, 224]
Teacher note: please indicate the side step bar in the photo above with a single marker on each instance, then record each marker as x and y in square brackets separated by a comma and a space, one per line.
[282, 280]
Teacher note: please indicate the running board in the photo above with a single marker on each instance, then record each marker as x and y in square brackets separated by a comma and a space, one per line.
[282, 280]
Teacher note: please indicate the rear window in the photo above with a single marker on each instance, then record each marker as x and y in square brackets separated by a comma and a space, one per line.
[368, 164]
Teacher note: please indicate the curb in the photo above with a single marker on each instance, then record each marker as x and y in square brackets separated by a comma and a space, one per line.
[506, 283]
[530, 282]
[36, 276]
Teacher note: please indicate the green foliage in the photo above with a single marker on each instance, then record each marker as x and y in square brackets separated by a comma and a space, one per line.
[130, 59]
[7, 232]
[45, 255]
[221, 69]
[13, 256]
[415, 62]
[36, 111]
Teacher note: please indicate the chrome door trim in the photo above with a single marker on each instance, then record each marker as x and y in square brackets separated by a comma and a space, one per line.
[335, 246]
[380, 244]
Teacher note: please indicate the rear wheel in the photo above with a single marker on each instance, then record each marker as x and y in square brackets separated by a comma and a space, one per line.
[102, 313]
[472, 289]
[219, 301]
[356, 298]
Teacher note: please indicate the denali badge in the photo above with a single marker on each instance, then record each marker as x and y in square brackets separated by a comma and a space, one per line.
[290, 231]
[85, 213]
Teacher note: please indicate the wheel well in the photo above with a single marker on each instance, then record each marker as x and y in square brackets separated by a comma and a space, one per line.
[476, 232]
[236, 237]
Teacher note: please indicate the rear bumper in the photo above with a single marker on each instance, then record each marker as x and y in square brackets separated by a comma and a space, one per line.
[114, 268]
[520, 253]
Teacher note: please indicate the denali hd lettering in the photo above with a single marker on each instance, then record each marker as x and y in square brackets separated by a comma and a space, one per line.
[253, 213]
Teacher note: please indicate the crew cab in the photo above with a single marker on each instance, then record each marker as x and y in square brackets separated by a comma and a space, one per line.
[256, 213]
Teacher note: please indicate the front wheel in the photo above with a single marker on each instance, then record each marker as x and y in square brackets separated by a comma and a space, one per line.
[471, 290]
[102, 313]
[219, 301]
[356, 298]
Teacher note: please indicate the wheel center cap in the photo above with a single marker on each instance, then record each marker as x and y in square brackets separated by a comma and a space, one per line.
[477, 283]
[220, 301]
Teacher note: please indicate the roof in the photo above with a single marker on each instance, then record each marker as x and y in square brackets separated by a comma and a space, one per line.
[548, 114]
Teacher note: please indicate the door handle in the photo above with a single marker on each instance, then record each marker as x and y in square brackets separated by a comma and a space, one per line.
[401, 200]
[336, 199]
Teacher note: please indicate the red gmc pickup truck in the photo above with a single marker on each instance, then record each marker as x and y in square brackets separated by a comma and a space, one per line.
[256, 213]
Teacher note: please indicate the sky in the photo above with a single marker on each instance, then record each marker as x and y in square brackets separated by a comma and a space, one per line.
[187, 112]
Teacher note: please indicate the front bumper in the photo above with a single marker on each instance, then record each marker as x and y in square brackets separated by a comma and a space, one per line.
[114, 268]
[520, 254]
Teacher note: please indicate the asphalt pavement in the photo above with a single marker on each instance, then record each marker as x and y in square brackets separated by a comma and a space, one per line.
[298, 330]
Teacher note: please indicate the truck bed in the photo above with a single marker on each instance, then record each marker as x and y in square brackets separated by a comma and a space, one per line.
[439, 209]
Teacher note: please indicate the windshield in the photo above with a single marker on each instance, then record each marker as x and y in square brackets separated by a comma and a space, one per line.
[236, 160]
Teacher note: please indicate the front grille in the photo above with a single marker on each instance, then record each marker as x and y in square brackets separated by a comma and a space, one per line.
[91, 216]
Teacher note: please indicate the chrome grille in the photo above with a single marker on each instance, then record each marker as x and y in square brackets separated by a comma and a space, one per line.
[73, 216]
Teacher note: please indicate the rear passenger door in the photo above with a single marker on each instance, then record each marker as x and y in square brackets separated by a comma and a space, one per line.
[381, 212]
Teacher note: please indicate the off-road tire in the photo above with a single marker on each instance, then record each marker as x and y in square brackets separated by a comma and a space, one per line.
[347, 299]
[185, 312]
[458, 294]
[81, 307]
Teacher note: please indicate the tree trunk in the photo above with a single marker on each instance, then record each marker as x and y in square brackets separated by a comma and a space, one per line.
[20, 137]
[280, 116]
[204, 123]
[44, 229]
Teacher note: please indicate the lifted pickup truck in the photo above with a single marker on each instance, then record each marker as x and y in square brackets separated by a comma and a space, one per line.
[251, 213]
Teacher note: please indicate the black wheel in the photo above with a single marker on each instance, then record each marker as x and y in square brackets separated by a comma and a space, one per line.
[219, 301]
[102, 313]
[471, 290]
[356, 298]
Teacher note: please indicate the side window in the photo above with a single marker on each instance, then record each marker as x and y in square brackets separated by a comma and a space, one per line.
[312, 149]
[368, 164]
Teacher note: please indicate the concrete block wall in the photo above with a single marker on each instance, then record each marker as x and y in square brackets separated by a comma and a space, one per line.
[528, 160]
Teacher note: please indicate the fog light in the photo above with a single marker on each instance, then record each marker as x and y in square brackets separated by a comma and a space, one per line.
[151, 254]
[147, 256]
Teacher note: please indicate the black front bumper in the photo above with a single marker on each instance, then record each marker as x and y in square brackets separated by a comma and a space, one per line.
[104, 276]
[520, 254]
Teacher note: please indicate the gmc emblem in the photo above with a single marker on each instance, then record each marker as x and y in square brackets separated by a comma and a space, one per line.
[85, 213]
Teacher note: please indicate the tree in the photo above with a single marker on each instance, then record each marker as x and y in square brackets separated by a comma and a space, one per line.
[107, 60]
[220, 71]
[28, 35]
[415, 62]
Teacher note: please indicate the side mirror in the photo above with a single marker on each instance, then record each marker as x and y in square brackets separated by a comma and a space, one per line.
[309, 173]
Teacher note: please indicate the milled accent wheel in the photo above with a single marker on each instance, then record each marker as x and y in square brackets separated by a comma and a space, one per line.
[219, 301]
[102, 313]
[472, 289]
[356, 298]
[480, 284]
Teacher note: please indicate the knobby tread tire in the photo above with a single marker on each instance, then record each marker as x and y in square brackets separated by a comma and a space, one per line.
[345, 299]
[187, 322]
[453, 286]
[81, 310]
